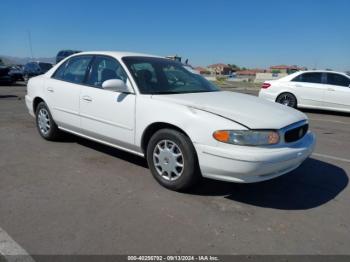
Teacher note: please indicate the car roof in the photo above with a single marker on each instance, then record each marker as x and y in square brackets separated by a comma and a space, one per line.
[322, 71]
[291, 76]
[116, 54]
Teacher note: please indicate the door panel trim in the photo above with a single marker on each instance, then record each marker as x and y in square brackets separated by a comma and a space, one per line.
[66, 111]
[106, 122]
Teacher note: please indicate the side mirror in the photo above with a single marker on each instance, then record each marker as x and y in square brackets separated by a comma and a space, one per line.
[116, 85]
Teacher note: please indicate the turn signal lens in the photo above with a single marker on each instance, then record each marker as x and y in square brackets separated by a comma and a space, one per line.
[222, 136]
[274, 138]
[248, 137]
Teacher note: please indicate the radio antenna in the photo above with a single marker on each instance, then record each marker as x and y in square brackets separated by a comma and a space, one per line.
[30, 44]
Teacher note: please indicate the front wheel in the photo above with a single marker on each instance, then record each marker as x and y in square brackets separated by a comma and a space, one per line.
[287, 99]
[172, 160]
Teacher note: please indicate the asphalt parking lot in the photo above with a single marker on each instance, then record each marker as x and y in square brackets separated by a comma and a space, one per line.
[78, 197]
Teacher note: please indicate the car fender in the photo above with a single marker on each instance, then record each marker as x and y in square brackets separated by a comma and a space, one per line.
[199, 125]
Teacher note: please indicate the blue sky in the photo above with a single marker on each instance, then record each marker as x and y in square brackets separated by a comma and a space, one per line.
[248, 33]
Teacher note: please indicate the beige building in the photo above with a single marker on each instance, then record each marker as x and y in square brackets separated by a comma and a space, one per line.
[249, 75]
[220, 69]
[262, 77]
[202, 70]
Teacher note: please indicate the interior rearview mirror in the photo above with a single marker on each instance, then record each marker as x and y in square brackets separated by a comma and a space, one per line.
[116, 85]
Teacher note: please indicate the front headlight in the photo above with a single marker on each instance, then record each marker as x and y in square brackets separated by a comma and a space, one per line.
[247, 137]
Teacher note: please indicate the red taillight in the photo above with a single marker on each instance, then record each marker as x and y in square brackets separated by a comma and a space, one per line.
[265, 85]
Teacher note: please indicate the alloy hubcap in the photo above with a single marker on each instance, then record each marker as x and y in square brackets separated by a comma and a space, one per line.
[44, 121]
[168, 160]
[287, 101]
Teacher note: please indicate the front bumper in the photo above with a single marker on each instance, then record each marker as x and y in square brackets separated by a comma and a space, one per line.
[243, 164]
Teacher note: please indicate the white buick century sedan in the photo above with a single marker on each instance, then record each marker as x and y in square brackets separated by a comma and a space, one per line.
[159, 109]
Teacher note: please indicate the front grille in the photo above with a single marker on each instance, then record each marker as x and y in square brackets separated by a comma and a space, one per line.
[295, 134]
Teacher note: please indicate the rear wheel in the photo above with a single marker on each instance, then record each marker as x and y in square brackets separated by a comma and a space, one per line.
[172, 160]
[45, 124]
[287, 99]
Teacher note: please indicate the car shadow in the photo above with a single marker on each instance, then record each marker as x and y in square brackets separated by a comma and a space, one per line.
[311, 185]
[8, 96]
[12, 84]
[134, 159]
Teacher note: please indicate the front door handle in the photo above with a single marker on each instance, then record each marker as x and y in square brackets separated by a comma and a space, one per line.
[87, 98]
[50, 89]
[330, 89]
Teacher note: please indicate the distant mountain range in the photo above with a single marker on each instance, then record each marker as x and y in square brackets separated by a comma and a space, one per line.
[12, 60]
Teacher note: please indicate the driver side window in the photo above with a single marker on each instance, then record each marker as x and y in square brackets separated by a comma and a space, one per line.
[105, 68]
[338, 80]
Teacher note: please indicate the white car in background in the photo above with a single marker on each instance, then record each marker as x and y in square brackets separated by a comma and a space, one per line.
[158, 109]
[310, 89]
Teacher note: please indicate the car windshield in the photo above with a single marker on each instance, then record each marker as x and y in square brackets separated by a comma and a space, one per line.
[163, 76]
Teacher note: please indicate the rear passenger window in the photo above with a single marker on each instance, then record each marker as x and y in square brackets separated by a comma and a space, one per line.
[338, 80]
[299, 78]
[74, 69]
[60, 71]
[309, 78]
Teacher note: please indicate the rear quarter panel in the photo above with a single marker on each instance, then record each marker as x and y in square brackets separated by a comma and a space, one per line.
[35, 88]
[277, 87]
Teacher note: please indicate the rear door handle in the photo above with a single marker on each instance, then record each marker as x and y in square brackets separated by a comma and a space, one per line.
[50, 89]
[87, 98]
[330, 89]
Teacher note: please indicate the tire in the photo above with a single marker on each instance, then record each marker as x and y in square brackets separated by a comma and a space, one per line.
[287, 99]
[45, 124]
[177, 149]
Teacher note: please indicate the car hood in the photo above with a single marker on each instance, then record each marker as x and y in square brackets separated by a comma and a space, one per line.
[250, 111]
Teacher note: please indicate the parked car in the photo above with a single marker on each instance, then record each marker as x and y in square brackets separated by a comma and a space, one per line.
[16, 73]
[310, 89]
[181, 123]
[65, 53]
[34, 69]
[5, 78]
